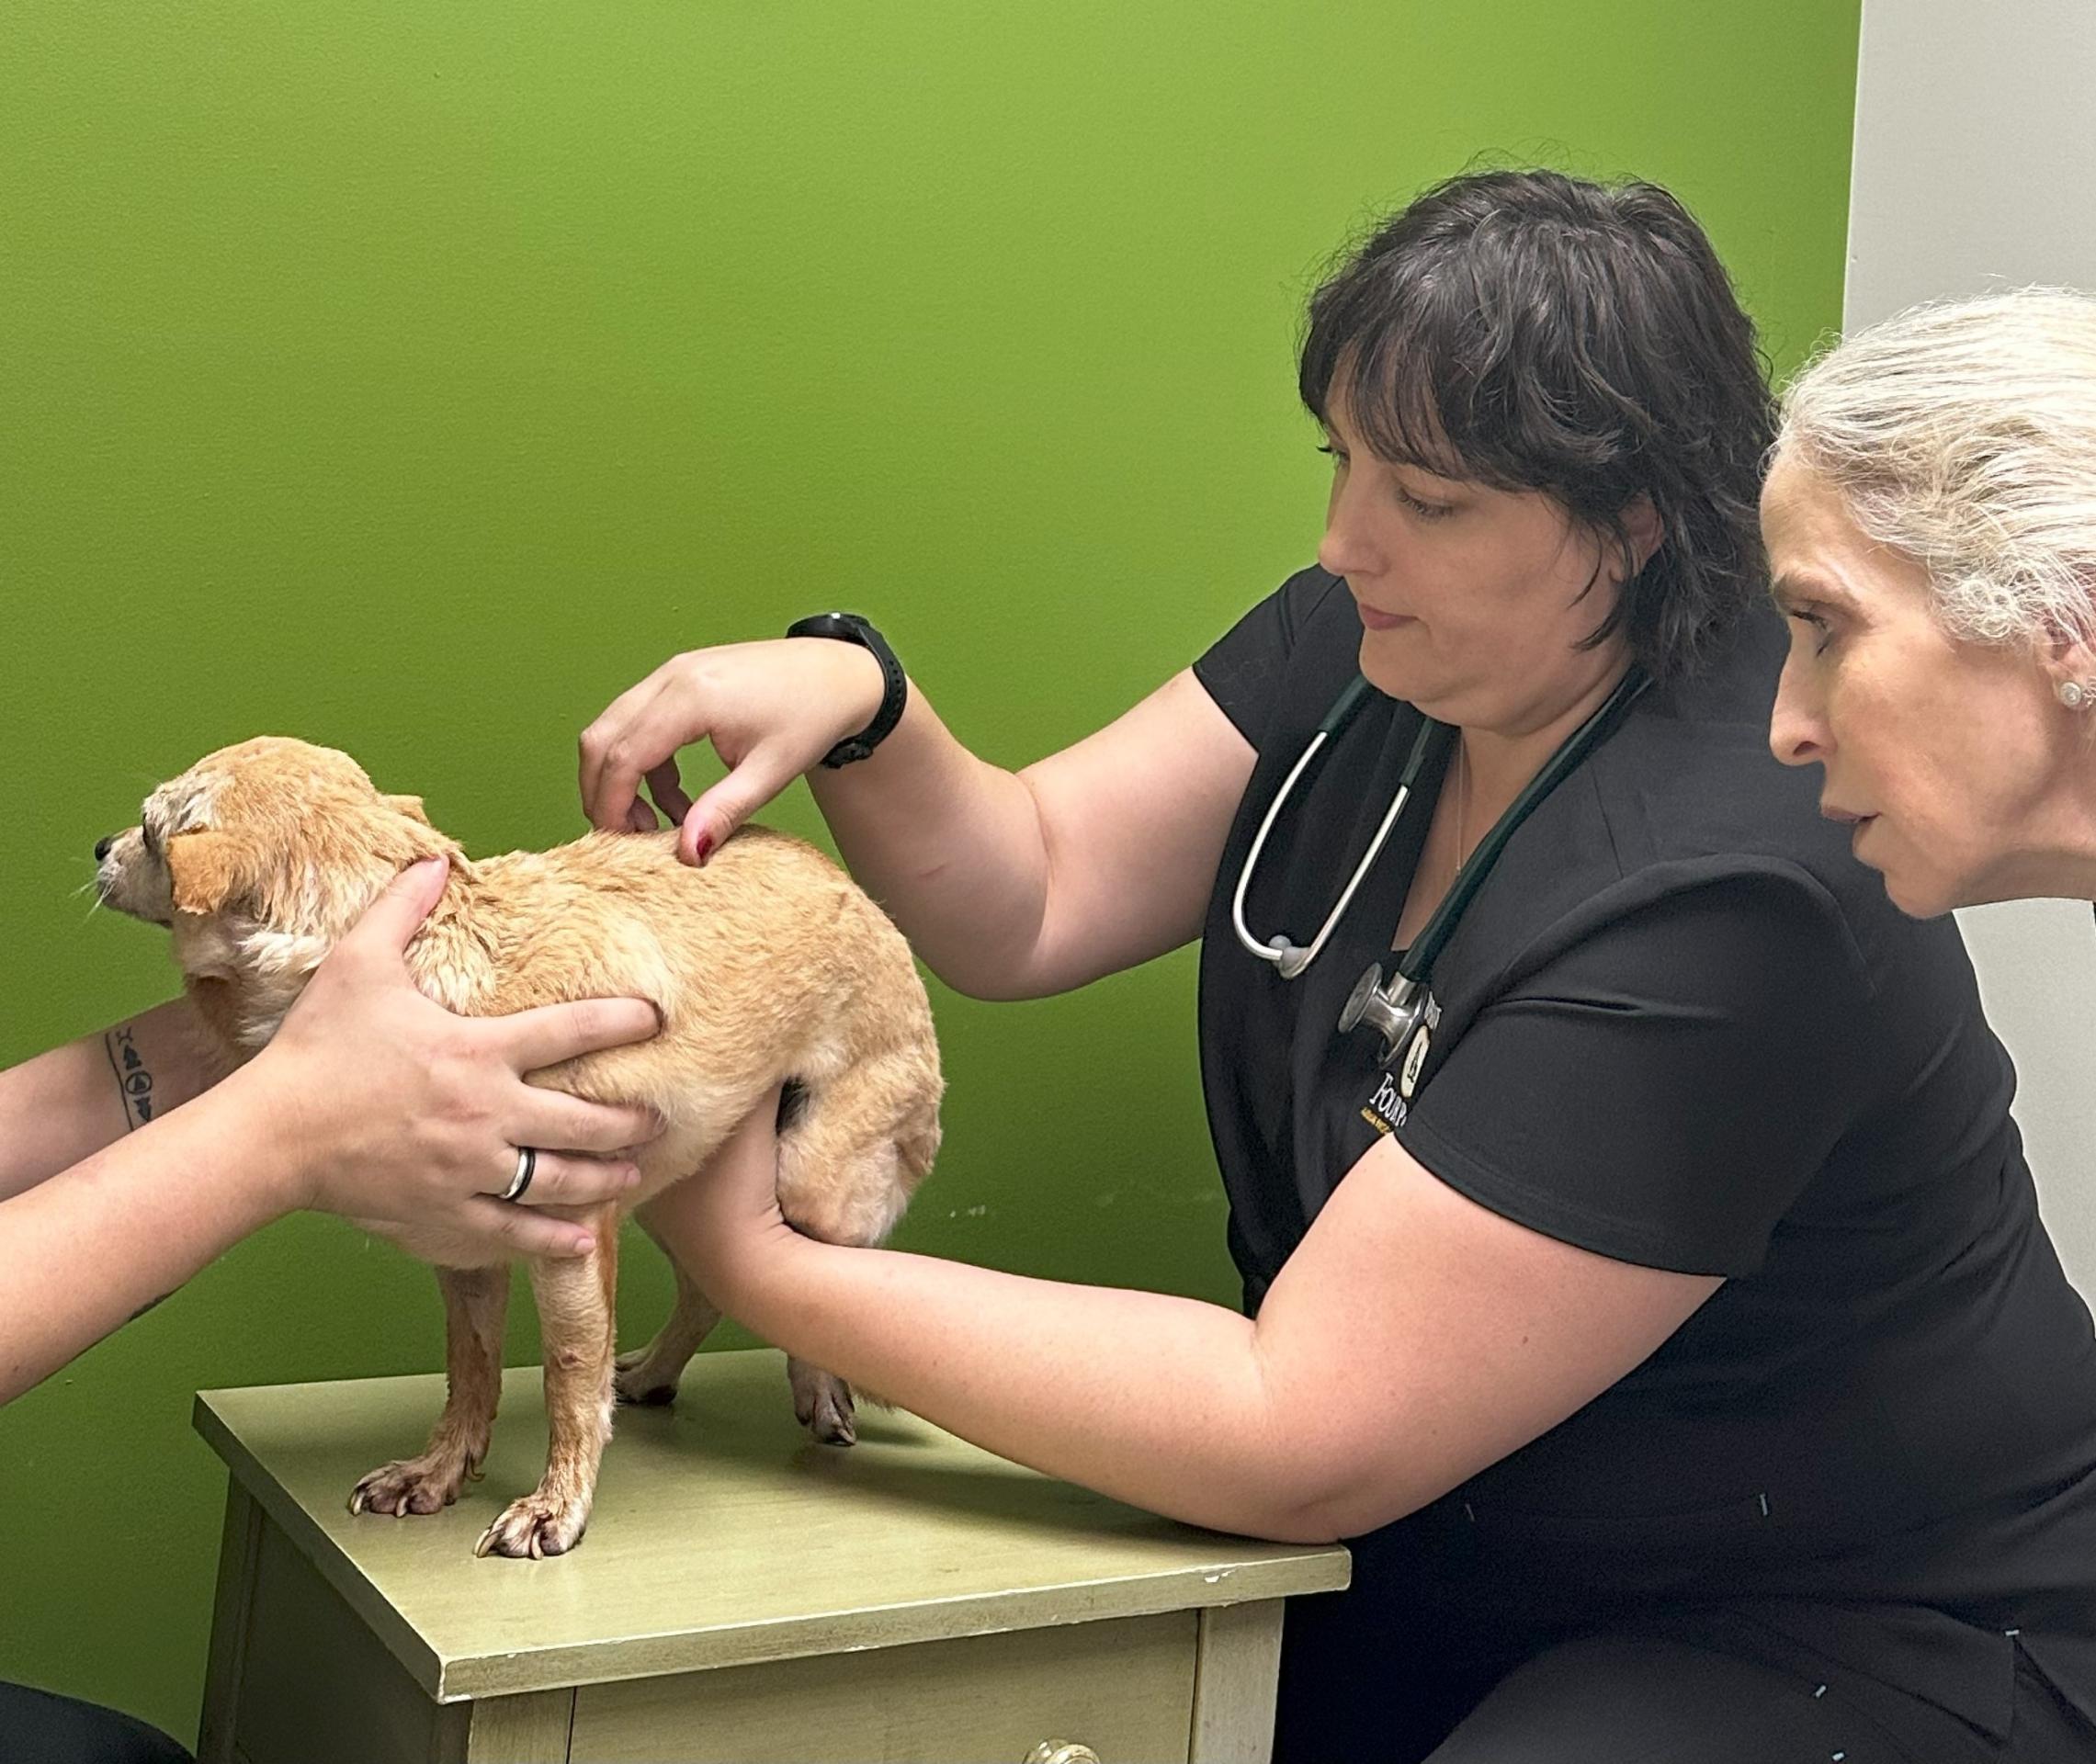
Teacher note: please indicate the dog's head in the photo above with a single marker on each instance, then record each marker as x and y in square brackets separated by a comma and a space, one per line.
[258, 858]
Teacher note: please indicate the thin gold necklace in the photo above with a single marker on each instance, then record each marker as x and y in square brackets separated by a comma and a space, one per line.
[1456, 863]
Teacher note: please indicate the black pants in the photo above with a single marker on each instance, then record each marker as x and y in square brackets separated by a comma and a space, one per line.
[36, 1727]
[1715, 1690]
[1609, 1699]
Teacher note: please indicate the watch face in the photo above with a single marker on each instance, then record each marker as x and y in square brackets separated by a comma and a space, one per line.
[845, 626]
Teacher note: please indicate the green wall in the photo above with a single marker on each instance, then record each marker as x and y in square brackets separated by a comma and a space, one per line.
[414, 378]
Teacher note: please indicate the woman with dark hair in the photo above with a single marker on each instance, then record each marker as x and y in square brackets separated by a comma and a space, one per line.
[1649, 1288]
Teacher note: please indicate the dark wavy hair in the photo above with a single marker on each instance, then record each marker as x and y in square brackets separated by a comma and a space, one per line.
[1530, 330]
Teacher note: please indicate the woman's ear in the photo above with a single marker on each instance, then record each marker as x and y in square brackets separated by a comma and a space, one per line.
[205, 869]
[1643, 531]
[2069, 663]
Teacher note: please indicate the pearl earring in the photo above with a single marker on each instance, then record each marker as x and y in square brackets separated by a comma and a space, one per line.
[2074, 694]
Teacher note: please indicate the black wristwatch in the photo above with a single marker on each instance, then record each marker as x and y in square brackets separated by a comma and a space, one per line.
[849, 628]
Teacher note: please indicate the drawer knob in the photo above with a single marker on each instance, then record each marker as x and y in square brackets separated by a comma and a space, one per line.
[1061, 1751]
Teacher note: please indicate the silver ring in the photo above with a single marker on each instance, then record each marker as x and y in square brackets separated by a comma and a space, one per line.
[526, 1165]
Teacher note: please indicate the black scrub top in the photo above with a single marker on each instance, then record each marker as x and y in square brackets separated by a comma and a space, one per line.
[1683, 1027]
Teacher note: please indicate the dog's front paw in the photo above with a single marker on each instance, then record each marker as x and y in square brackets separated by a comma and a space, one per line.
[541, 1524]
[639, 1379]
[823, 1402]
[424, 1484]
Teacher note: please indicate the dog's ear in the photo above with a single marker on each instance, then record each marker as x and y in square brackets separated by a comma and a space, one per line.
[409, 805]
[205, 869]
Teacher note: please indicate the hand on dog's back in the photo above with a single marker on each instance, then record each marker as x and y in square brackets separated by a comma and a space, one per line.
[771, 710]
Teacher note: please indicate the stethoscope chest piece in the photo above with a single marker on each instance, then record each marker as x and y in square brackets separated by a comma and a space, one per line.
[1398, 1011]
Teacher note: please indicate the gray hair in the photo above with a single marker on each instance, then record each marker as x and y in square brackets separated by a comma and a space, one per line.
[1963, 433]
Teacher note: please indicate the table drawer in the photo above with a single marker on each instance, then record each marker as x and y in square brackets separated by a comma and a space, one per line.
[1124, 1687]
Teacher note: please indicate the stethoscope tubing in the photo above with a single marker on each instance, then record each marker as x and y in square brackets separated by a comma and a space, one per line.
[1416, 964]
[1289, 957]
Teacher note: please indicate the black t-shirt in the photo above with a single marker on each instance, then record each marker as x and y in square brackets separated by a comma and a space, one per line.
[1683, 1027]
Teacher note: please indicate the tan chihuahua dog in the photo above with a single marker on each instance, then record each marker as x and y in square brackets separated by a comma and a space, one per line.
[769, 965]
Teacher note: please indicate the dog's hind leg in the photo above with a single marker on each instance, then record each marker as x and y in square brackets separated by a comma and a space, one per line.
[846, 1166]
[648, 1375]
[476, 1302]
[575, 1324]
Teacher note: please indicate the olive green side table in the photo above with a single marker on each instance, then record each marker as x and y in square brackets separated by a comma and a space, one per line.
[743, 1594]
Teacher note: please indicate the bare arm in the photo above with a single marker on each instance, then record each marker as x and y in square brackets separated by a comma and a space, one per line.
[93, 1246]
[1017, 884]
[1008, 885]
[67, 1104]
[1413, 1339]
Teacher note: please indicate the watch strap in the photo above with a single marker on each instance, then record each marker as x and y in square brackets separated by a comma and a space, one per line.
[849, 628]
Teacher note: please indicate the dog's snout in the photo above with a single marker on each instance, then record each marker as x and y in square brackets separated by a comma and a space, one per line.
[102, 846]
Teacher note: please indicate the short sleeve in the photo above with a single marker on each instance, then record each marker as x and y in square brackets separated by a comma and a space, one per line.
[1663, 1089]
[1243, 670]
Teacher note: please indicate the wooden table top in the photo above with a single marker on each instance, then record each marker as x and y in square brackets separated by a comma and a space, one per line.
[722, 1535]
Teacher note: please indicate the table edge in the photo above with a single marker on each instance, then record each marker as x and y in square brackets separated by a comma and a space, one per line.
[1304, 1568]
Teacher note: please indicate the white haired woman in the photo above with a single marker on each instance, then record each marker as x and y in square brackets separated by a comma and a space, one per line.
[1931, 519]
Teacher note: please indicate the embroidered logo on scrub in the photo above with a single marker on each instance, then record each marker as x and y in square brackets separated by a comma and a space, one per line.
[1390, 1101]
[1408, 1082]
[1386, 1109]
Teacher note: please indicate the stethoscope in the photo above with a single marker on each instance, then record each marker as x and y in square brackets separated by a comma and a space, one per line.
[1398, 1009]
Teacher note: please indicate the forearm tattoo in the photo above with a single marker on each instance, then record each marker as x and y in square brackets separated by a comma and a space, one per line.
[134, 1077]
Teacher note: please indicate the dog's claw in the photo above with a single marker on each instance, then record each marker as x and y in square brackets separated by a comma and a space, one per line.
[635, 1385]
[535, 1528]
[412, 1486]
[823, 1404]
